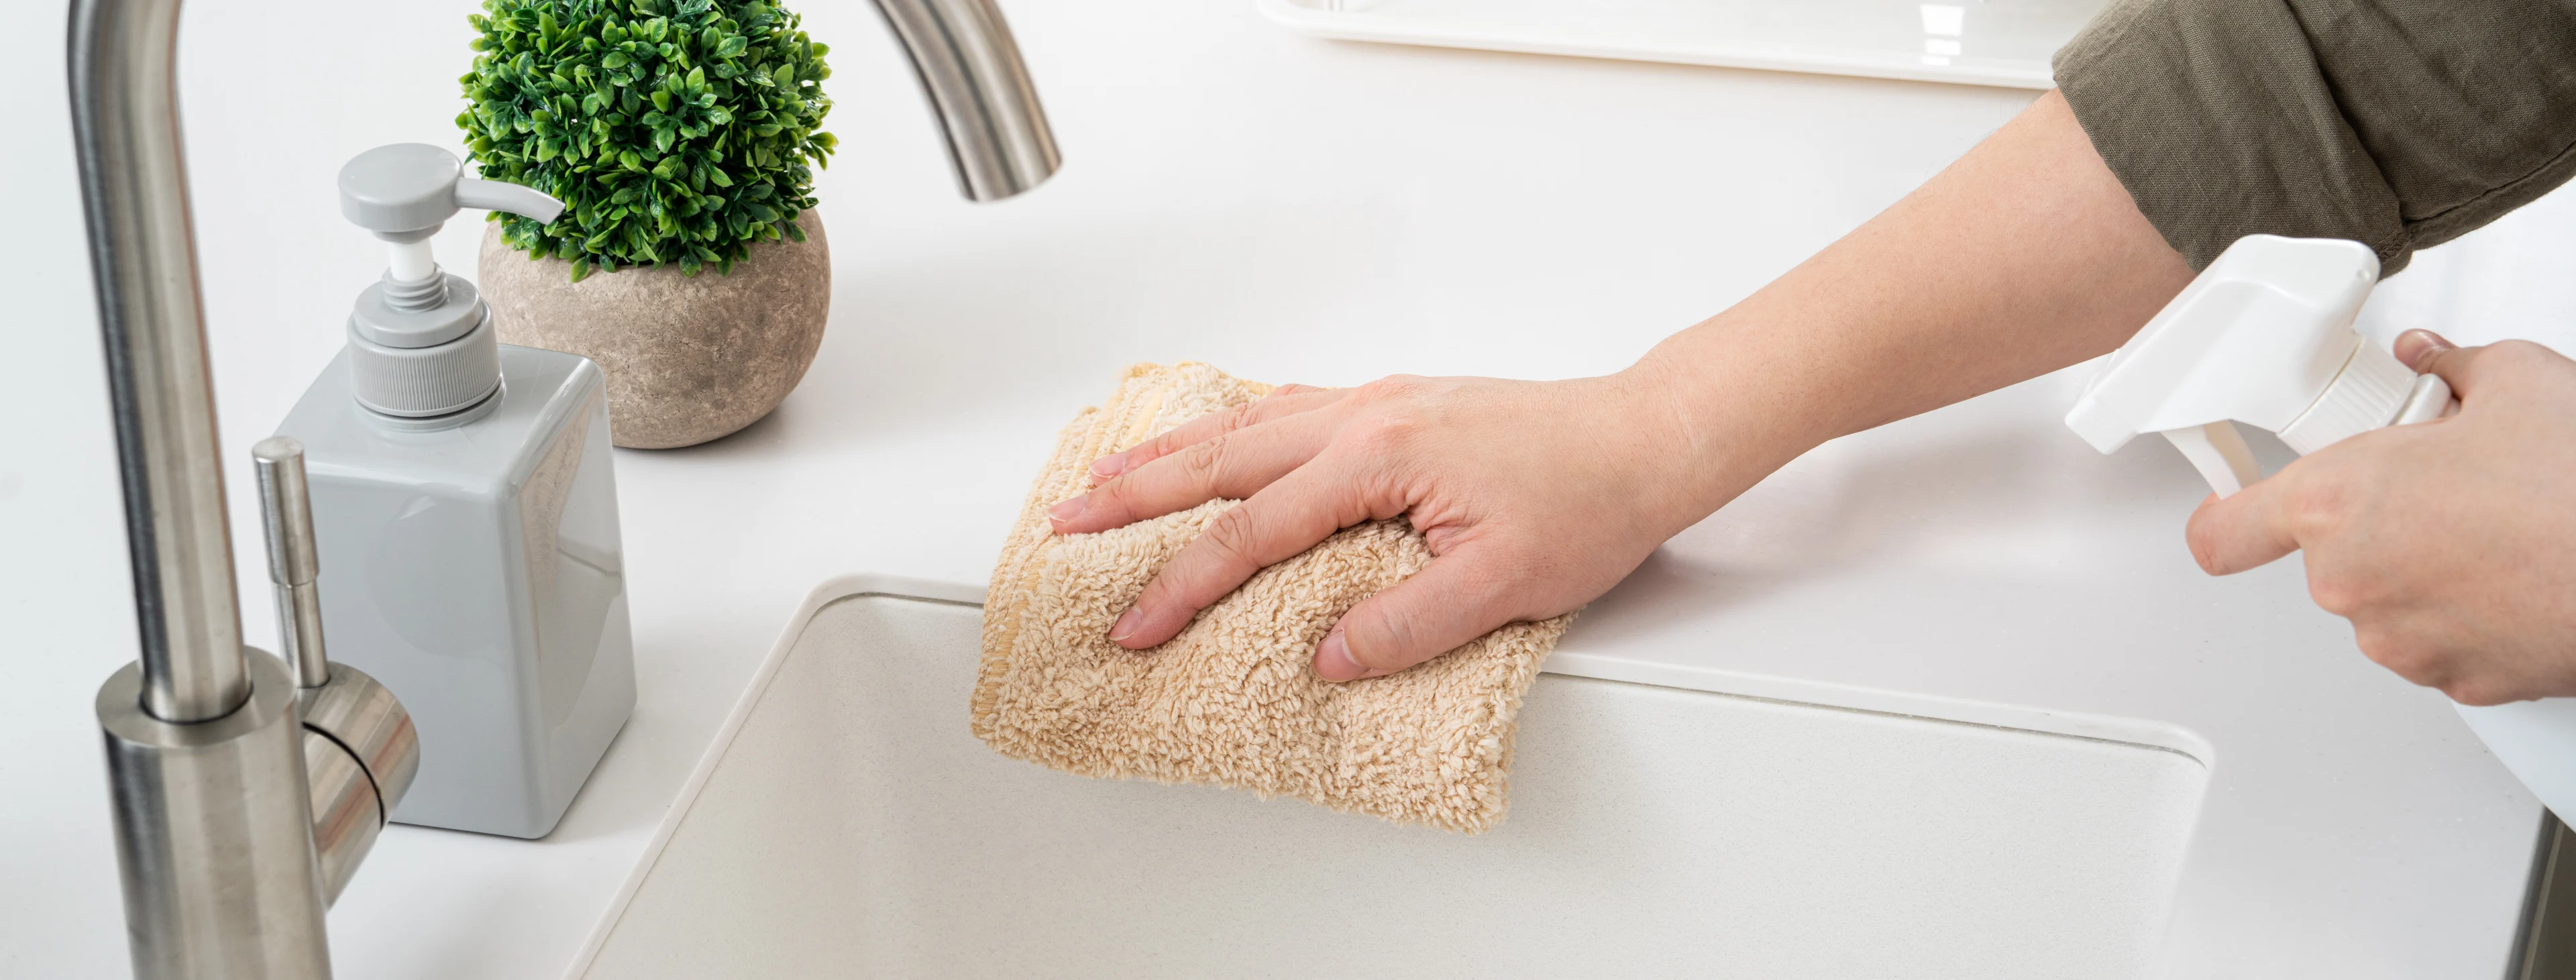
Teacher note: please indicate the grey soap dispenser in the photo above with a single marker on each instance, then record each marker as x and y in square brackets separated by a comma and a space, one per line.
[467, 517]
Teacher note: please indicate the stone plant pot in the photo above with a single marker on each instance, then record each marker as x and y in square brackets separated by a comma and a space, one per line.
[689, 358]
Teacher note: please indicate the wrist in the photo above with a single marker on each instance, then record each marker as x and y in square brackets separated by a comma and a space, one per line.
[1734, 403]
[1716, 426]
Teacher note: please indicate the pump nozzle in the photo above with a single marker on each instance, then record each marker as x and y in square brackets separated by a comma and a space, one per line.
[420, 342]
[409, 188]
[406, 191]
[493, 195]
[2264, 337]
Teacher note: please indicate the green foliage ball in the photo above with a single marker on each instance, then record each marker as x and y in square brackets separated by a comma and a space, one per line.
[675, 131]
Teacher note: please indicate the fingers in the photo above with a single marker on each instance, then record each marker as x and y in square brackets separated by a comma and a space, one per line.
[2247, 530]
[2414, 345]
[1272, 526]
[1231, 467]
[2433, 355]
[1282, 402]
[1445, 605]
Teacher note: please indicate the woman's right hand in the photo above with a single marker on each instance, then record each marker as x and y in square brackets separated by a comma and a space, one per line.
[1535, 497]
[2025, 256]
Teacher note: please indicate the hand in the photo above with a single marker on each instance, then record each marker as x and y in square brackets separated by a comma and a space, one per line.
[2024, 256]
[1534, 497]
[2451, 545]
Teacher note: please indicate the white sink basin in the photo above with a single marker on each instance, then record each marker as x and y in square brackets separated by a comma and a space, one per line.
[853, 827]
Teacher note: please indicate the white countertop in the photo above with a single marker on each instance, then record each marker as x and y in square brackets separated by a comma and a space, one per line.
[1290, 210]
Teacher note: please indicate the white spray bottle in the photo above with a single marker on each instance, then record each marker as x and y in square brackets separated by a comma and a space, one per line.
[2264, 337]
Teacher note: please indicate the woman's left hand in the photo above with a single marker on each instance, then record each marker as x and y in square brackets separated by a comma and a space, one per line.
[2451, 545]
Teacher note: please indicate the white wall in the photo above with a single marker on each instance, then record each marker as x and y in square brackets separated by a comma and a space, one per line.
[261, 88]
[64, 599]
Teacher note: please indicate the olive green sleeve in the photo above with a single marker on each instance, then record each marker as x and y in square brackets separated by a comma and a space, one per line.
[2400, 124]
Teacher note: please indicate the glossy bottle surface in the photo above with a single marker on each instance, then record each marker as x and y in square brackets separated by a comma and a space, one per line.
[477, 572]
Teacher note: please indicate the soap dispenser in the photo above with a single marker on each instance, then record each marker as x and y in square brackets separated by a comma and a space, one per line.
[467, 516]
[2264, 337]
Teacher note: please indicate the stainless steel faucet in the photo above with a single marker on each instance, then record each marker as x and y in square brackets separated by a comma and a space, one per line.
[969, 67]
[247, 790]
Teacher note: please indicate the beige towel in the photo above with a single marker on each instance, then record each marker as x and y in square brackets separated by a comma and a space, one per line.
[1232, 701]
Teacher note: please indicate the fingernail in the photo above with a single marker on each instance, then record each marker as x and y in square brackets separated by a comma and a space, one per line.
[2426, 343]
[1109, 466]
[1333, 659]
[1126, 625]
[2431, 339]
[1070, 509]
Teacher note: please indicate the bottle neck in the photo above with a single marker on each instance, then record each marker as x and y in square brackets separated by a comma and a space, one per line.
[411, 358]
[413, 281]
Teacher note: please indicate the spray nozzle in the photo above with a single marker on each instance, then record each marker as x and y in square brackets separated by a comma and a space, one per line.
[2264, 337]
[406, 191]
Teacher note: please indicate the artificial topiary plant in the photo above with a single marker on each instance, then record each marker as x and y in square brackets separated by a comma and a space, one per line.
[675, 131]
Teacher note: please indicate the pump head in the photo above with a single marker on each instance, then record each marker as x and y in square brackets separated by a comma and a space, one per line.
[406, 191]
[2264, 337]
[421, 345]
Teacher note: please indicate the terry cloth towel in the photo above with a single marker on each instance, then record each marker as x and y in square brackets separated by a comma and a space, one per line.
[1231, 701]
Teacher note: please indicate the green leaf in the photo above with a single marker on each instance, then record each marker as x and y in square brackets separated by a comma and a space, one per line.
[675, 131]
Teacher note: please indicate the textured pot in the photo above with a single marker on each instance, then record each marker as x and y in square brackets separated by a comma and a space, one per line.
[689, 358]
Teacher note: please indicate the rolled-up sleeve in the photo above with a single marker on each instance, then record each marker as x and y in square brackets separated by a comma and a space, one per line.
[2399, 124]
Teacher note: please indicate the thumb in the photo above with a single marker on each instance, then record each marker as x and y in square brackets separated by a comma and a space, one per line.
[1438, 609]
[2245, 531]
[2428, 353]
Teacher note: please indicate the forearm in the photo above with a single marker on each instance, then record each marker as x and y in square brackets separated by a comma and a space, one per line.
[2025, 256]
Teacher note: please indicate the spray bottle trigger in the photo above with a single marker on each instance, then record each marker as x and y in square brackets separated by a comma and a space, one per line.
[2219, 452]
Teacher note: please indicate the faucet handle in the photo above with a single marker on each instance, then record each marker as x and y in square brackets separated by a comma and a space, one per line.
[286, 509]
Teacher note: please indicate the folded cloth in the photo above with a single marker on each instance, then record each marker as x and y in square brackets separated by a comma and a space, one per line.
[1231, 701]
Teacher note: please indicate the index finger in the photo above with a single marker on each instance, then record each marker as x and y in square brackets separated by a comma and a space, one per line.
[2244, 531]
[1282, 402]
[1287, 517]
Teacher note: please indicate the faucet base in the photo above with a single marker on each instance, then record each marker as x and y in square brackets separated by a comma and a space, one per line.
[212, 835]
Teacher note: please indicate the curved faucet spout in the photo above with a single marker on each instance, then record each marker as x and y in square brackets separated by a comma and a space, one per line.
[971, 70]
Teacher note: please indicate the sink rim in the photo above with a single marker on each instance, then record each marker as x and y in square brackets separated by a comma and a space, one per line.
[2141, 733]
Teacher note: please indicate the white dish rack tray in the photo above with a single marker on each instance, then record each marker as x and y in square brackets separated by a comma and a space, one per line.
[1970, 42]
